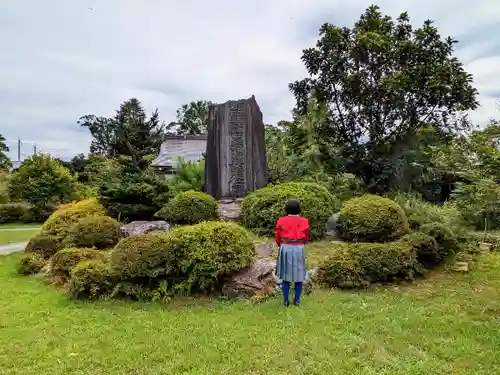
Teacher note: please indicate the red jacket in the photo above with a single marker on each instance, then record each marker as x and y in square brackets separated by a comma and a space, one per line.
[291, 228]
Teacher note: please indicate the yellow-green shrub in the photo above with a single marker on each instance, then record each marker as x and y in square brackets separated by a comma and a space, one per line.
[99, 232]
[372, 218]
[90, 279]
[261, 209]
[425, 246]
[63, 261]
[69, 214]
[190, 207]
[44, 245]
[143, 256]
[357, 265]
[445, 238]
[31, 264]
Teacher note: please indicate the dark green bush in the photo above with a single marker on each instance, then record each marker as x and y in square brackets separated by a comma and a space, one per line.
[44, 245]
[445, 238]
[425, 246]
[358, 265]
[15, 213]
[190, 207]
[31, 264]
[63, 261]
[100, 232]
[261, 209]
[90, 279]
[144, 256]
[373, 219]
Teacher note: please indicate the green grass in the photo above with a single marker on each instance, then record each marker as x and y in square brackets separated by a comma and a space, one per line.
[446, 324]
[12, 236]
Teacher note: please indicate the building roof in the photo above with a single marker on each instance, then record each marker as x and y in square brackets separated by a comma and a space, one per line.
[189, 147]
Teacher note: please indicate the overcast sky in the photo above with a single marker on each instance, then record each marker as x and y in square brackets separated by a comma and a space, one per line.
[61, 59]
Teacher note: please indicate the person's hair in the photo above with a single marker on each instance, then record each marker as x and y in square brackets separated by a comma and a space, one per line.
[293, 207]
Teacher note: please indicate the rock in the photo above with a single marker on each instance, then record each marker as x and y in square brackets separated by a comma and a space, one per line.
[142, 227]
[259, 278]
[229, 209]
[461, 267]
[264, 249]
[331, 225]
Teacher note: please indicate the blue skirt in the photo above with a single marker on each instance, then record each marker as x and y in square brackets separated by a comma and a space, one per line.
[291, 264]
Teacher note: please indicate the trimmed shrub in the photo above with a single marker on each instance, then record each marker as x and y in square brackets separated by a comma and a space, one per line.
[64, 260]
[358, 265]
[189, 259]
[261, 209]
[143, 256]
[425, 246]
[31, 264]
[65, 216]
[99, 232]
[90, 279]
[373, 219]
[15, 213]
[44, 245]
[445, 238]
[190, 207]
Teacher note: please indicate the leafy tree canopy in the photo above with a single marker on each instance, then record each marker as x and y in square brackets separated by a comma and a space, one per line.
[5, 162]
[192, 118]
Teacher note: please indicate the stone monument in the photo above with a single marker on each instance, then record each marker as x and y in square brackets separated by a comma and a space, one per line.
[236, 161]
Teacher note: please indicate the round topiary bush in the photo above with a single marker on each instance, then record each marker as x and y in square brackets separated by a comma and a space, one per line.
[31, 264]
[67, 215]
[425, 246]
[211, 250]
[357, 265]
[100, 232]
[63, 261]
[144, 256]
[445, 238]
[90, 279]
[44, 245]
[261, 209]
[190, 207]
[373, 219]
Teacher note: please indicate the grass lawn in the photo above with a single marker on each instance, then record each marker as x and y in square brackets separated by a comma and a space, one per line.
[446, 324]
[13, 236]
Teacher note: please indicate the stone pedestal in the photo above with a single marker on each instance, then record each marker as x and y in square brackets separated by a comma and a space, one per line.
[236, 160]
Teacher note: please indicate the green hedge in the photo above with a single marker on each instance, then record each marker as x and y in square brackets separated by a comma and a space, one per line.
[31, 264]
[63, 261]
[15, 213]
[90, 279]
[372, 218]
[99, 232]
[446, 240]
[44, 245]
[261, 209]
[425, 246]
[357, 265]
[190, 207]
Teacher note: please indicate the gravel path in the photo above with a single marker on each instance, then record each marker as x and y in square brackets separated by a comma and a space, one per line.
[12, 248]
[18, 229]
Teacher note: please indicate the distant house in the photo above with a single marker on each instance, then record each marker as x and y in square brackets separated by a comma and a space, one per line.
[188, 147]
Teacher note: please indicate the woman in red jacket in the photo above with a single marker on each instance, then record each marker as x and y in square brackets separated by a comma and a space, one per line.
[292, 233]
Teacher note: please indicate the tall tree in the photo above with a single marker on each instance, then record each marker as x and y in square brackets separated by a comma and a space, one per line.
[129, 133]
[5, 162]
[382, 81]
[192, 118]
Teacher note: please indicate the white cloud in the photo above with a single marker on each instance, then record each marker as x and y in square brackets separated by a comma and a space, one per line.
[65, 60]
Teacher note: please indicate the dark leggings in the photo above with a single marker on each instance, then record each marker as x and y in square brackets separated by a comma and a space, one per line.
[286, 292]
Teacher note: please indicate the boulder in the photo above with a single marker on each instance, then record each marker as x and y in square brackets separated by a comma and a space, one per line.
[264, 250]
[331, 225]
[259, 279]
[229, 209]
[142, 227]
[460, 267]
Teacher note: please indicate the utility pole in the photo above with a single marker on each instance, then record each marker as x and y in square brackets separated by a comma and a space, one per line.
[34, 149]
[19, 149]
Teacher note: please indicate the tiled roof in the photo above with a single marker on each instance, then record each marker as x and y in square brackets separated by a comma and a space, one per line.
[190, 148]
